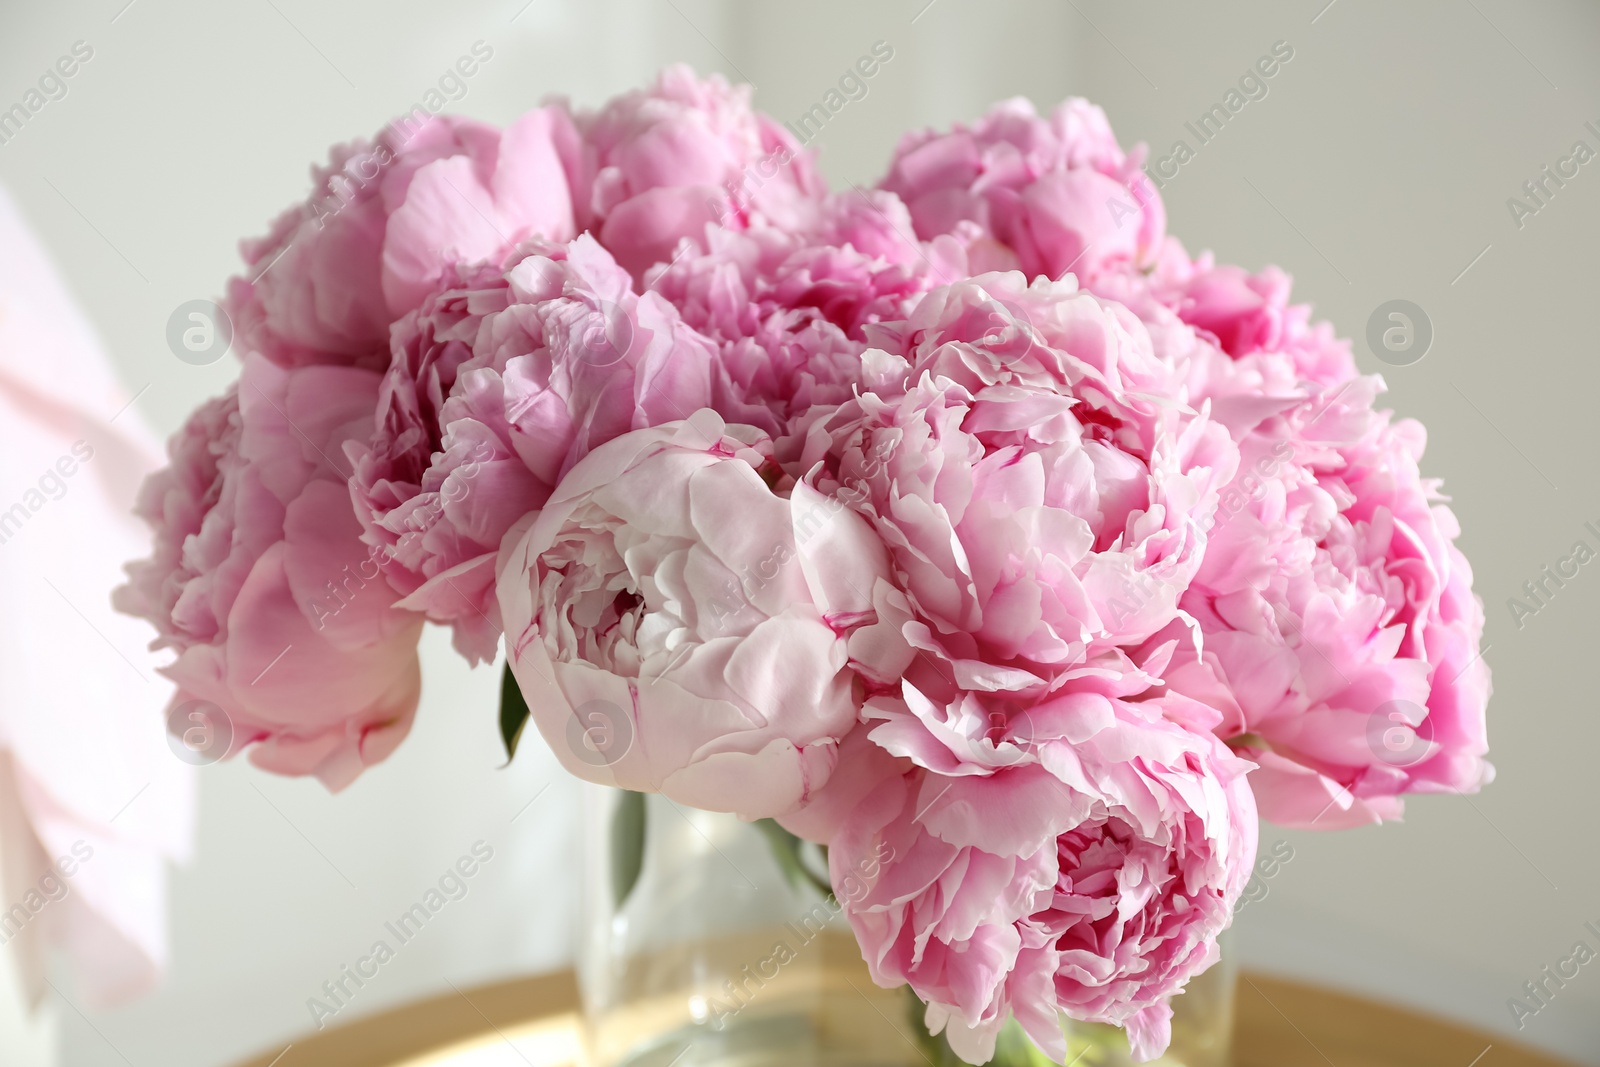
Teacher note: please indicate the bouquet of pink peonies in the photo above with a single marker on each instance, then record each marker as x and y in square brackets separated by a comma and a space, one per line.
[967, 515]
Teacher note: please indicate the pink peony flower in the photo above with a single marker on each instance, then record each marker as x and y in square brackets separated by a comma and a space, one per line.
[1245, 313]
[1047, 196]
[388, 222]
[998, 329]
[1237, 391]
[677, 626]
[1250, 318]
[494, 394]
[1036, 507]
[789, 313]
[1341, 632]
[408, 523]
[1078, 854]
[665, 162]
[261, 585]
[1054, 196]
[1043, 494]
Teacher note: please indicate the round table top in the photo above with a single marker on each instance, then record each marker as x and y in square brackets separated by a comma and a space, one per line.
[1281, 1023]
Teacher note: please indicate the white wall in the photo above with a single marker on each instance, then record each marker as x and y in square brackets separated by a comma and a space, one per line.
[1389, 144]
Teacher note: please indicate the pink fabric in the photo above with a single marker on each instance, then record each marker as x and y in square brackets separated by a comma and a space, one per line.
[93, 807]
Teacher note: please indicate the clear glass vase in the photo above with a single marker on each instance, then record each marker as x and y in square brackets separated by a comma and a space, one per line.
[709, 948]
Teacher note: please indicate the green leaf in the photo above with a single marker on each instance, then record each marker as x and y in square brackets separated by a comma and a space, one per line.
[627, 845]
[513, 713]
[786, 850]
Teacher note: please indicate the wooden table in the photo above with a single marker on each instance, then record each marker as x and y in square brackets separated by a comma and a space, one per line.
[1280, 1024]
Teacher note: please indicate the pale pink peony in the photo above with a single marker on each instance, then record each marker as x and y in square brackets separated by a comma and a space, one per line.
[1078, 854]
[678, 626]
[1341, 632]
[1248, 316]
[1059, 195]
[261, 585]
[1038, 509]
[776, 359]
[1244, 312]
[564, 357]
[388, 222]
[790, 312]
[410, 494]
[1042, 493]
[1237, 391]
[997, 329]
[1047, 196]
[663, 163]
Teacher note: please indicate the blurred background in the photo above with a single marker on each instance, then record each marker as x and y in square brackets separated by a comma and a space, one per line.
[1378, 166]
